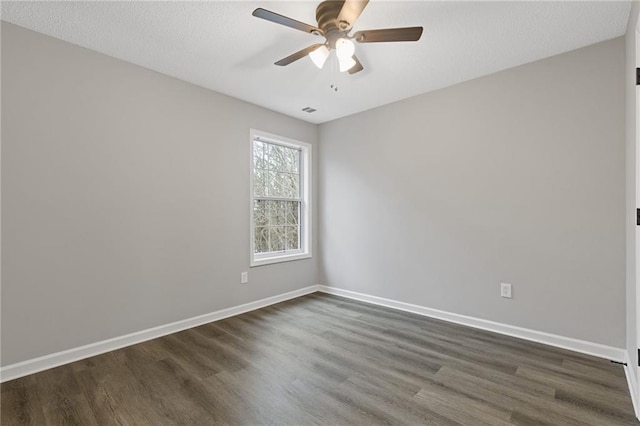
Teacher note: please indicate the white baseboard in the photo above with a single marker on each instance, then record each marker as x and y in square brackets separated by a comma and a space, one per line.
[632, 382]
[14, 371]
[582, 346]
[20, 369]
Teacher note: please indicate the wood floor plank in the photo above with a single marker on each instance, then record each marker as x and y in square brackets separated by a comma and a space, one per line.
[326, 360]
[461, 408]
[21, 406]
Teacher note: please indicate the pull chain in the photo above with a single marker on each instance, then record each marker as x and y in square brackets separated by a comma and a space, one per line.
[334, 86]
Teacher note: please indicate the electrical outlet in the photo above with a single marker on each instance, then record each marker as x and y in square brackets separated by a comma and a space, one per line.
[244, 277]
[505, 290]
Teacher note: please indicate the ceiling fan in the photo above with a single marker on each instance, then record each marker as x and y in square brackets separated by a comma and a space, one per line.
[335, 21]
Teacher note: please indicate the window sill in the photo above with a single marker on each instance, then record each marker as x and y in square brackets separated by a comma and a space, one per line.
[279, 258]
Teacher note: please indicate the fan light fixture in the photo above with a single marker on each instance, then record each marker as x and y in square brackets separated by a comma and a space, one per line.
[344, 51]
[346, 63]
[319, 56]
[344, 48]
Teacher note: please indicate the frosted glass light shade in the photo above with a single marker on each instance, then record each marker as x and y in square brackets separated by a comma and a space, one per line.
[346, 63]
[344, 48]
[319, 56]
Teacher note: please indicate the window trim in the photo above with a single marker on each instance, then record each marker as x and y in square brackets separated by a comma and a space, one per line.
[306, 201]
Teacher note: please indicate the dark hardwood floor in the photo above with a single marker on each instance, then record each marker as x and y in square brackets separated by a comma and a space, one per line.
[322, 359]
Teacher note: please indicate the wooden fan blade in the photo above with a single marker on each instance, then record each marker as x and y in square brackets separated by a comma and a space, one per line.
[351, 10]
[389, 34]
[283, 20]
[299, 54]
[357, 67]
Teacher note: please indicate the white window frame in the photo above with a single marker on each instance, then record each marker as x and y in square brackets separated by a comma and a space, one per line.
[304, 252]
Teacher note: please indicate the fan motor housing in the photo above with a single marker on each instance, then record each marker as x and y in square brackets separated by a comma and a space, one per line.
[327, 14]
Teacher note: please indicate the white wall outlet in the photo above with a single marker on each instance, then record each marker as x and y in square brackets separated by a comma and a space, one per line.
[244, 277]
[505, 290]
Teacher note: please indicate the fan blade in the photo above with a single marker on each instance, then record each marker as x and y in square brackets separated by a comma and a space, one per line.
[283, 20]
[299, 54]
[351, 10]
[357, 67]
[389, 34]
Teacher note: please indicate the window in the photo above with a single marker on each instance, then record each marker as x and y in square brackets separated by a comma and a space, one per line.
[280, 199]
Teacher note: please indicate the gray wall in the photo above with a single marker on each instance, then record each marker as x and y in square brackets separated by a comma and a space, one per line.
[515, 177]
[125, 198]
[631, 187]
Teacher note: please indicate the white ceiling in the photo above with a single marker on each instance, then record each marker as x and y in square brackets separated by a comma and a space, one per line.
[220, 46]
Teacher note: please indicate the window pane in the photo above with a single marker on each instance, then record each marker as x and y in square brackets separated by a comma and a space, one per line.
[292, 213]
[274, 186]
[261, 240]
[260, 182]
[258, 155]
[292, 240]
[283, 184]
[276, 170]
[290, 183]
[274, 212]
[260, 213]
[293, 160]
[279, 184]
[267, 156]
[277, 226]
[277, 238]
[276, 157]
[282, 158]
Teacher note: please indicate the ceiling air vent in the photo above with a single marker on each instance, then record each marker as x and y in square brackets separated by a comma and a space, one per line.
[308, 109]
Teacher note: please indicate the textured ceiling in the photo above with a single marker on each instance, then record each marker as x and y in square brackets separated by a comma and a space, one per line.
[219, 45]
